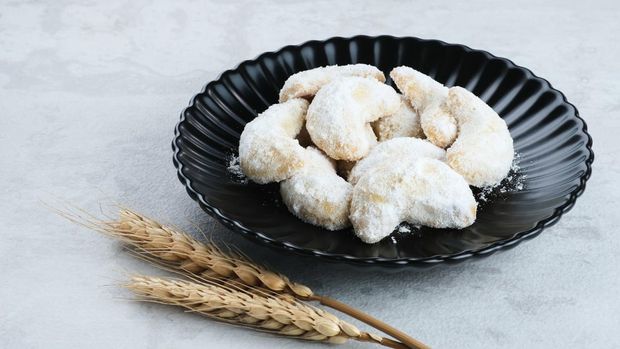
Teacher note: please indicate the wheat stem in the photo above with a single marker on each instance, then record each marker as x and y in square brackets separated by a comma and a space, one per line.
[379, 325]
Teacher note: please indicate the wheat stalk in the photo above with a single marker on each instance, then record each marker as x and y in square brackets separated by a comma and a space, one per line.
[280, 316]
[178, 251]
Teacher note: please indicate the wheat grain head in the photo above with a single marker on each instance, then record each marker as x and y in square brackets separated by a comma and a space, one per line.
[281, 316]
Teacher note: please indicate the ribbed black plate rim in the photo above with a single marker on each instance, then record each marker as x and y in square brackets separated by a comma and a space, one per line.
[421, 262]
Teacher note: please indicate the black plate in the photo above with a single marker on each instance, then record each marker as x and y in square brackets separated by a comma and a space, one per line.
[550, 137]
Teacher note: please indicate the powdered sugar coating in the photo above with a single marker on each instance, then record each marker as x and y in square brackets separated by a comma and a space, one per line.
[419, 191]
[268, 150]
[401, 179]
[426, 96]
[316, 194]
[338, 117]
[308, 82]
[393, 150]
[404, 123]
[483, 151]
[439, 126]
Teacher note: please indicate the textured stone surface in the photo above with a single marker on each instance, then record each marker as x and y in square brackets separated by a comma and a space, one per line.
[90, 93]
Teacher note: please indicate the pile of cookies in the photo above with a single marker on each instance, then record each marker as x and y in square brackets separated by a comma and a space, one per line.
[348, 149]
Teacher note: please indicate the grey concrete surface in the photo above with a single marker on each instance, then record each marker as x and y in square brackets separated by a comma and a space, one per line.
[90, 92]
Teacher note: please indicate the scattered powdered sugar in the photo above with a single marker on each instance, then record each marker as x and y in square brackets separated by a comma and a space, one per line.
[404, 229]
[234, 168]
[514, 182]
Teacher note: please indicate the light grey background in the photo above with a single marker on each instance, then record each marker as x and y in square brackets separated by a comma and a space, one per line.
[89, 95]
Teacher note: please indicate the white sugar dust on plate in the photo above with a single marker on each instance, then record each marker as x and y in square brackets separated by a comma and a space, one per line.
[514, 182]
[234, 169]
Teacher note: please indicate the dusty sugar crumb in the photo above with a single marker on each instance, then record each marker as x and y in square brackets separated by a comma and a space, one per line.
[234, 168]
[514, 182]
[404, 229]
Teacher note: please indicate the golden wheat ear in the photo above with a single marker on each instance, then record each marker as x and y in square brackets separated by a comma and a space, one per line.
[206, 261]
[284, 317]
